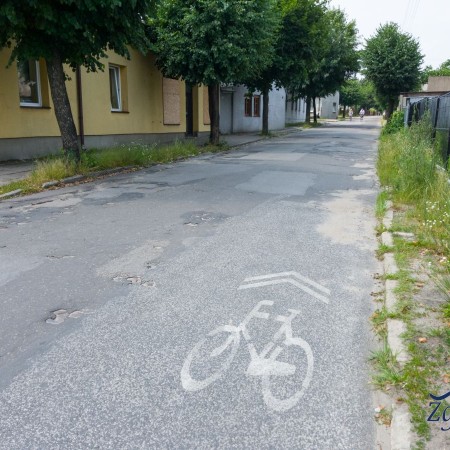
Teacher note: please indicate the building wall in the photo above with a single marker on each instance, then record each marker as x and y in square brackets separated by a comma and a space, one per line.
[438, 84]
[329, 106]
[295, 110]
[232, 110]
[17, 121]
[33, 131]
[277, 109]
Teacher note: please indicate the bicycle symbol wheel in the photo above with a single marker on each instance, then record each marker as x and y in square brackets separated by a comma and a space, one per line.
[210, 357]
[281, 403]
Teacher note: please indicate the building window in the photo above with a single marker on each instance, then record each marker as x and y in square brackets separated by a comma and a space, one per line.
[248, 107]
[115, 88]
[29, 83]
[256, 105]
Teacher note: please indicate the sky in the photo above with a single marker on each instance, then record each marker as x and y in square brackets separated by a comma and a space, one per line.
[427, 20]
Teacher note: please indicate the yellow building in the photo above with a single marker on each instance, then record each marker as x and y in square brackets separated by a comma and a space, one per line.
[129, 101]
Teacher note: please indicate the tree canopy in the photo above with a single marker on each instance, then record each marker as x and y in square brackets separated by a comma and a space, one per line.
[442, 71]
[358, 93]
[212, 41]
[335, 57]
[351, 93]
[293, 48]
[392, 61]
[71, 32]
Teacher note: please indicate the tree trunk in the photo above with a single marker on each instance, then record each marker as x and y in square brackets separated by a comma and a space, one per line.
[308, 110]
[390, 110]
[314, 109]
[343, 112]
[213, 94]
[63, 111]
[265, 116]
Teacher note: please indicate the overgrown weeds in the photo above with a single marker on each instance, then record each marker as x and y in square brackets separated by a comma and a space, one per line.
[410, 165]
[381, 204]
[410, 170]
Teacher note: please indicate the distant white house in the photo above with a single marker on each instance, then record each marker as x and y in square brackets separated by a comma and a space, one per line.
[328, 107]
[241, 111]
[295, 109]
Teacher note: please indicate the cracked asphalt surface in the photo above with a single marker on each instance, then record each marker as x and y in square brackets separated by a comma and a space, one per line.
[146, 265]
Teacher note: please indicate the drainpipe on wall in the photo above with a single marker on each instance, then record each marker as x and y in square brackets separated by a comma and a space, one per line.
[80, 107]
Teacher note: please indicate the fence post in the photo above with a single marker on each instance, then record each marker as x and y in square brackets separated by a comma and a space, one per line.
[410, 114]
[436, 118]
[447, 156]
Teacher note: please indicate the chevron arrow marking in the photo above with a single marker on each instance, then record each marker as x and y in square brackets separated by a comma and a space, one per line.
[287, 277]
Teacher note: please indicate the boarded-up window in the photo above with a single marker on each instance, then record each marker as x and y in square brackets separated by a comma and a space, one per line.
[172, 104]
[206, 118]
[256, 106]
[248, 107]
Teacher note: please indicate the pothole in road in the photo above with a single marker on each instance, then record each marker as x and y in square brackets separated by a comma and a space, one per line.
[134, 280]
[60, 316]
[60, 256]
[196, 218]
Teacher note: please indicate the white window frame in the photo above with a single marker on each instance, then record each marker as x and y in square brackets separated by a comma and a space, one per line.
[39, 91]
[116, 70]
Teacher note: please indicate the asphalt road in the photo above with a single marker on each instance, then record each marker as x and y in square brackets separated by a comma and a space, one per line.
[220, 302]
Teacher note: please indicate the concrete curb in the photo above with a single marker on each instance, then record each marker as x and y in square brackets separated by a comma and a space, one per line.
[401, 427]
[391, 300]
[387, 220]
[11, 193]
[390, 266]
[73, 179]
[395, 329]
[91, 175]
[49, 184]
[401, 430]
[386, 239]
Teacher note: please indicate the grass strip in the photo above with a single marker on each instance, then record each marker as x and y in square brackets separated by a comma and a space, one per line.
[407, 166]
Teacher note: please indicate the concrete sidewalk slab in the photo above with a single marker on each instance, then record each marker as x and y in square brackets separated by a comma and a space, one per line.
[14, 170]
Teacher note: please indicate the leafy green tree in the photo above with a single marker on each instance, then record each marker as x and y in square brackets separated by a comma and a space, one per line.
[425, 73]
[351, 93]
[76, 33]
[392, 61]
[442, 71]
[214, 41]
[293, 49]
[369, 96]
[335, 60]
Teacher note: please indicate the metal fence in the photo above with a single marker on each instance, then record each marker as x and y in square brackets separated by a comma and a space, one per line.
[439, 113]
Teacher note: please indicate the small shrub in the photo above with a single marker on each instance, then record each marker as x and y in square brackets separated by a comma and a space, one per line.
[395, 123]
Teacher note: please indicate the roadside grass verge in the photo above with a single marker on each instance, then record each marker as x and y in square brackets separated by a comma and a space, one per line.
[381, 204]
[408, 166]
[55, 168]
[409, 170]
[303, 124]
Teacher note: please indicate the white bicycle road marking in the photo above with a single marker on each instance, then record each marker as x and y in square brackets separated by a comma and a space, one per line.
[264, 365]
[274, 278]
